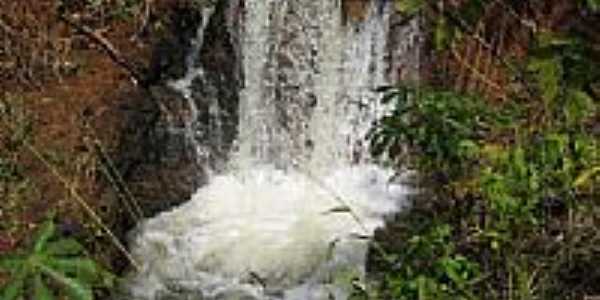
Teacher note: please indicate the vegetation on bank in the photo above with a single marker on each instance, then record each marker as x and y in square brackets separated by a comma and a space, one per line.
[53, 262]
[509, 208]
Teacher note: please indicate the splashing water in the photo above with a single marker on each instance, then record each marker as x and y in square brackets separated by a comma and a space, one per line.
[289, 217]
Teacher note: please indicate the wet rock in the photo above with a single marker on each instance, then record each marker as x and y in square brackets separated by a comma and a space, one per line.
[169, 56]
[157, 153]
[216, 93]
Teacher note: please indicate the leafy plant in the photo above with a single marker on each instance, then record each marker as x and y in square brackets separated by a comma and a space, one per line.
[442, 127]
[52, 263]
[430, 268]
[514, 181]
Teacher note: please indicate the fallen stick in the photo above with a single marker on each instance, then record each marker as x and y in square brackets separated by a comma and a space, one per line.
[113, 53]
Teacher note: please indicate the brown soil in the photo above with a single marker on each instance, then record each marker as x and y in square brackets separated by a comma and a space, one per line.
[68, 109]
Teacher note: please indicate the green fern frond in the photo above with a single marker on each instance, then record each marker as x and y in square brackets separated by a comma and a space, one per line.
[52, 259]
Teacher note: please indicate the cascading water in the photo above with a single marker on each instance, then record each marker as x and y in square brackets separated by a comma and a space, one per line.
[288, 217]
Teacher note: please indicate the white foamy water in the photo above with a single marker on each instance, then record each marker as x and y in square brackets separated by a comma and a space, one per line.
[265, 230]
[291, 216]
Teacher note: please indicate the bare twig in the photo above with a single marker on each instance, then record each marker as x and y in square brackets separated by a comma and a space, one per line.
[520, 75]
[116, 56]
[479, 75]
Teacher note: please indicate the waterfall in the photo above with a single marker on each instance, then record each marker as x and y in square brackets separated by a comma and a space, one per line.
[290, 214]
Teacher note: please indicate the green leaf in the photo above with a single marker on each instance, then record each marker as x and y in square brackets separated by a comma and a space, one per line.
[64, 247]
[76, 289]
[41, 291]
[44, 234]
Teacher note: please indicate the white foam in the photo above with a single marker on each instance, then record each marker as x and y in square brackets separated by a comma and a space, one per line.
[269, 224]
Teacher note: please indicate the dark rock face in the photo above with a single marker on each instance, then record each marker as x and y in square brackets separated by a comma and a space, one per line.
[158, 154]
[215, 94]
[157, 163]
[169, 56]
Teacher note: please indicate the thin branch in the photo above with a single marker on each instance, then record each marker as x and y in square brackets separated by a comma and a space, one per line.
[479, 75]
[462, 25]
[113, 53]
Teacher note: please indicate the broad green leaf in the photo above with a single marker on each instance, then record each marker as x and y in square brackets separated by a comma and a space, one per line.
[44, 234]
[76, 289]
[40, 290]
[64, 247]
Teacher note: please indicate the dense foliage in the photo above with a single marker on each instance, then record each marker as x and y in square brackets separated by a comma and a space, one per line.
[510, 209]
